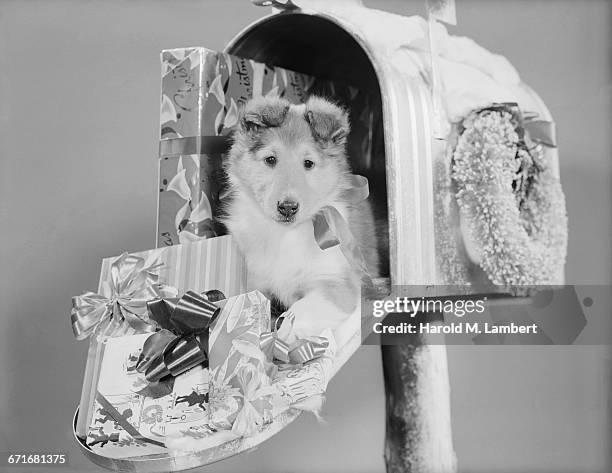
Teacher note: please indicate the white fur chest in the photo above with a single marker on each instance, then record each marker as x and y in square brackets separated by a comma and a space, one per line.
[283, 260]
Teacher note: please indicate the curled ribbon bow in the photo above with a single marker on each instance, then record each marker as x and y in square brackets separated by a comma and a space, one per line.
[123, 299]
[183, 341]
[284, 346]
[331, 229]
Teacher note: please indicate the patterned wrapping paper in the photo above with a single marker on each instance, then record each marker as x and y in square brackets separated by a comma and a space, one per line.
[237, 396]
[294, 385]
[125, 421]
[245, 390]
[132, 419]
[214, 263]
[233, 397]
[190, 188]
[202, 92]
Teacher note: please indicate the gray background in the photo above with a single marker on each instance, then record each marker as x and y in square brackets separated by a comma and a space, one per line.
[79, 117]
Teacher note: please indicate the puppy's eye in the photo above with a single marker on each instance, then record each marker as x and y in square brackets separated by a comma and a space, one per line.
[308, 164]
[271, 161]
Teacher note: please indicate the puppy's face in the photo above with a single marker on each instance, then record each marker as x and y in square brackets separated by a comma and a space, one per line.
[290, 159]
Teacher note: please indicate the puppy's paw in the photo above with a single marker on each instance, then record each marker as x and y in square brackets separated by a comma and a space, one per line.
[314, 314]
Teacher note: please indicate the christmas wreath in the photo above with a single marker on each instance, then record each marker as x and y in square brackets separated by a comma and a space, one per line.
[512, 207]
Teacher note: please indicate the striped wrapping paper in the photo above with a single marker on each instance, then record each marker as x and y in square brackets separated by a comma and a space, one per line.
[214, 263]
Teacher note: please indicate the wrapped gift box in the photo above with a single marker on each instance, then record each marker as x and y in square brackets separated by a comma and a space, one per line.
[202, 92]
[134, 418]
[208, 264]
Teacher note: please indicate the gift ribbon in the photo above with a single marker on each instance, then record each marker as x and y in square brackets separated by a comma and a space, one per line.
[208, 145]
[284, 346]
[331, 229]
[539, 131]
[202, 229]
[124, 299]
[183, 341]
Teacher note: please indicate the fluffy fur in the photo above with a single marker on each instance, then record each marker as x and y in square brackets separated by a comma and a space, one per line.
[287, 162]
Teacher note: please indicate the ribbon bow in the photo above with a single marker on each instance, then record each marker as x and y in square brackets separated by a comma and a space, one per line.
[183, 341]
[538, 131]
[123, 299]
[284, 346]
[331, 229]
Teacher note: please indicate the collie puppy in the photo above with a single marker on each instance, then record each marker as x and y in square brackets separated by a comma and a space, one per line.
[287, 162]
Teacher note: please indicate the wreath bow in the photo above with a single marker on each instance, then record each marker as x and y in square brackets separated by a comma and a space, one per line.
[538, 131]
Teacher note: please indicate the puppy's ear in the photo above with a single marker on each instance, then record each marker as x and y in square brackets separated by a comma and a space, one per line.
[263, 112]
[328, 122]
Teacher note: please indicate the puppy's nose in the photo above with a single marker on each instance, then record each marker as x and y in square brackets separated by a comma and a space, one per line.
[288, 208]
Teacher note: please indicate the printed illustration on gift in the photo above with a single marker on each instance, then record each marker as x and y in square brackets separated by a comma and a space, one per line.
[126, 422]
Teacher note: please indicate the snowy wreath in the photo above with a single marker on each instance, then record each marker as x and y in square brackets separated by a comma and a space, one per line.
[511, 203]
